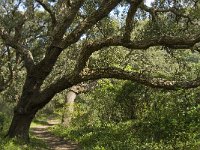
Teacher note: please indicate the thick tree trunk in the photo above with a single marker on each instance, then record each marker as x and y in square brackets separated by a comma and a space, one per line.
[20, 125]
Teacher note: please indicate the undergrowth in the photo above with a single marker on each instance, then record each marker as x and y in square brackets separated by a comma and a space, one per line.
[16, 144]
[121, 136]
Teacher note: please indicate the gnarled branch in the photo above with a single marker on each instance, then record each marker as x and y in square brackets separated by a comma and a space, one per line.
[154, 11]
[168, 41]
[26, 54]
[104, 9]
[112, 72]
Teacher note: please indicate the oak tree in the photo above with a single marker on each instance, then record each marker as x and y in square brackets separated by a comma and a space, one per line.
[41, 31]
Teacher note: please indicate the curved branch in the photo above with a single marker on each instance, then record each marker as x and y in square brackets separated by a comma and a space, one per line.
[26, 54]
[111, 72]
[168, 41]
[154, 11]
[47, 7]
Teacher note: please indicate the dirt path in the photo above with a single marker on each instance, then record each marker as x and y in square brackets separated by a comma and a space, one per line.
[52, 141]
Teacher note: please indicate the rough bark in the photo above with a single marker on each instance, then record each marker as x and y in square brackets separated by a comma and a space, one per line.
[32, 99]
[20, 125]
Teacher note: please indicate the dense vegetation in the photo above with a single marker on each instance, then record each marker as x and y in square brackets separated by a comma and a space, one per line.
[126, 115]
[122, 74]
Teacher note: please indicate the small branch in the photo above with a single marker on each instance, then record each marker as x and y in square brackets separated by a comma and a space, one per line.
[5, 84]
[47, 7]
[83, 87]
[65, 22]
[18, 31]
[130, 18]
[26, 54]
[90, 48]
[106, 7]
[154, 11]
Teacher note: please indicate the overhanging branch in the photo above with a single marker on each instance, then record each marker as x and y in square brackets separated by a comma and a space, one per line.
[111, 72]
[168, 41]
[117, 73]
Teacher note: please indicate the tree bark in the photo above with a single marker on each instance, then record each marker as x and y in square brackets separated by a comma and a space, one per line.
[31, 100]
[25, 110]
[20, 125]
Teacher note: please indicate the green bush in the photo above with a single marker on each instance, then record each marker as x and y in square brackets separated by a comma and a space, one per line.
[16, 144]
[2, 121]
[160, 120]
[125, 136]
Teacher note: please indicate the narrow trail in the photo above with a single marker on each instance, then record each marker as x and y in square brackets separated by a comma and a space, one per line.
[52, 141]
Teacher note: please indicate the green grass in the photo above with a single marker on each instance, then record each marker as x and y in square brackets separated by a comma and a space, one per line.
[16, 144]
[36, 123]
[120, 136]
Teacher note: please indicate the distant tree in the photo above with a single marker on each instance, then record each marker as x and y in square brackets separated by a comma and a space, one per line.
[70, 100]
[42, 32]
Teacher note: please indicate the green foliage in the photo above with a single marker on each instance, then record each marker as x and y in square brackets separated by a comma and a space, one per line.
[16, 144]
[162, 119]
[117, 114]
[2, 121]
[119, 137]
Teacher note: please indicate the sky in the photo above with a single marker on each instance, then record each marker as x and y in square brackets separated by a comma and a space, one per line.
[148, 2]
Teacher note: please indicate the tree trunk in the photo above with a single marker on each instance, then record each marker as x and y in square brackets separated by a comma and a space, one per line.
[70, 98]
[69, 109]
[31, 100]
[20, 125]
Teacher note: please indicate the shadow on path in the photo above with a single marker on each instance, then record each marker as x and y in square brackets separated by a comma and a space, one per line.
[52, 141]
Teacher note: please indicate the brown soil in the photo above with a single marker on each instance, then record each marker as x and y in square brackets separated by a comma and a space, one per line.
[52, 141]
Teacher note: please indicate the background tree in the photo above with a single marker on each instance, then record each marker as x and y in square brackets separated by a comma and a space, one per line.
[70, 100]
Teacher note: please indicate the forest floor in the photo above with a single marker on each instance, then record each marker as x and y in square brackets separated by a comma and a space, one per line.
[52, 141]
